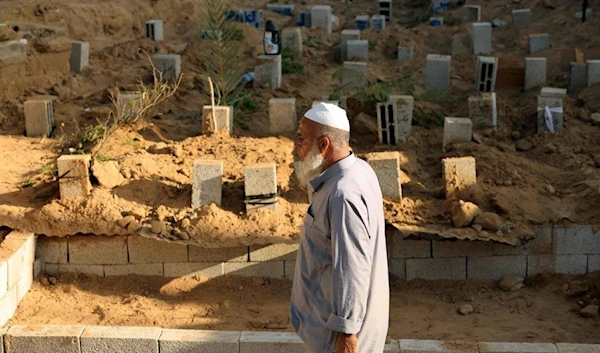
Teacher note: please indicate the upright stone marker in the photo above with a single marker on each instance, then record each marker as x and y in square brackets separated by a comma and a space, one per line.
[535, 72]
[76, 179]
[404, 116]
[553, 92]
[284, 10]
[593, 72]
[472, 13]
[459, 174]
[438, 6]
[80, 56]
[39, 117]
[304, 19]
[538, 42]
[267, 73]
[577, 76]
[353, 72]
[362, 22]
[292, 38]
[487, 69]
[522, 18]
[550, 114]
[385, 9]
[461, 44]
[282, 115]
[169, 65]
[483, 111]
[154, 30]
[378, 22]
[322, 17]
[386, 166]
[126, 101]
[482, 38]
[436, 21]
[348, 35]
[358, 49]
[207, 184]
[261, 186]
[457, 130]
[386, 121]
[223, 117]
[437, 71]
[405, 53]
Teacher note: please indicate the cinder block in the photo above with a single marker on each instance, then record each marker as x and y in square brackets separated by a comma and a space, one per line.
[282, 115]
[398, 267]
[14, 261]
[13, 48]
[54, 269]
[405, 53]
[260, 186]
[269, 269]
[487, 69]
[462, 44]
[406, 248]
[284, 10]
[75, 181]
[9, 303]
[105, 339]
[577, 76]
[358, 49]
[44, 338]
[378, 22]
[461, 248]
[52, 249]
[438, 6]
[304, 19]
[267, 72]
[553, 92]
[207, 183]
[453, 268]
[289, 269]
[233, 254]
[188, 341]
[522, 18]
[28, 247]
[593, 72]
[169, 65]
[347, 34]
[457, 130]
[3, 277]
[223, 117]
[428, 346]
[436, 21]
[512, 347]
[353, 73]
[292, 38]
[38, 268]
[556, 111]
[80, 56]
[496, 267]
[541, 244]
[387, 119]
[361, 22]
[392, 347]
[577, 348]
[437, 71]
[577, 240]
[192, 269]
[593, 263]
[386, 166]
[385, 9]
[97, 250]
[535, 72]
[144, 250]
[538, 42]
[25, 280]
[39, 117]
[483, 110]
[273, 252]
[481, 32]
[134, 269]
[271, 342]
[404, 114]
[472, 13]
[154, 30]
[321, 16]
[459, 173]
[565, 264]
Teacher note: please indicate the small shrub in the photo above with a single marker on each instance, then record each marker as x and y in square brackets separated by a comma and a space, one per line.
[290, 63]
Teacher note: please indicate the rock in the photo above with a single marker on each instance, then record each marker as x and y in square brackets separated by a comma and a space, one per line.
[185, 223]
[590, 311]
[496, 22]
[565, 288]
[595, 118]
[123, 222]
[477, 138]
[176, 150]
[516, 135]
[508, 182]
[551, 189]
[107, 174]
[176, 232]
[158, 227]
[159, 148]
[184, 236]
[549, 148]
[577, 288]
[477, 227]
[364, 123]
[489, 221]
[524, 145]
[463, 213]
[466, 309]
[52, 280]
[511, 282]
[549, 4]
[335, 23]
[134, 227]
[44, 281]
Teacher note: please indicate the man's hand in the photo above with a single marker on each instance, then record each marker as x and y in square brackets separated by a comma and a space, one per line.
[345, 343]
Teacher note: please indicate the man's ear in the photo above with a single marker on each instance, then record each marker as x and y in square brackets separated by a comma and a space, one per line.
[324, 144]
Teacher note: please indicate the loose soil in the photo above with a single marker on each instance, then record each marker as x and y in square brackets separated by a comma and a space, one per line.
[543, 311]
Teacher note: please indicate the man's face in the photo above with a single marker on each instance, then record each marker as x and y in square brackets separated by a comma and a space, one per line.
[308, 157]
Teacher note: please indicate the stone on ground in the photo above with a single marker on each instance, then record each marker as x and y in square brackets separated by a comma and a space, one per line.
[466, 309]
[511, 283]
[463, 213]
[489, 221]
[590, 311]
[364, 123]
[108, 174]
[124, 222]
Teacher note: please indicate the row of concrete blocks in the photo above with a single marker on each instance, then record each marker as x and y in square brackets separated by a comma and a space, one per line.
[584, 74]
[109, 339]
[480, 41]
[377, 22]
[17, 270]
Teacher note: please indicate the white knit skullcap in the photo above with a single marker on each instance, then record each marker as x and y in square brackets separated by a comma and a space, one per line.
[329, 115]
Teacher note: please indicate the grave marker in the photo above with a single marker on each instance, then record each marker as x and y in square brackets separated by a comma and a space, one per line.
[362, 22]
[267, 73]
[126, 101]
[154, 30]
[472, 13]
[322, 17]
[487, 69]
[386, 123]
[437, 71]
[223, 117]
[39, 117]
[522, 18]
[577, 76]
[404, 110]
[535, 72]
[405, 53]
[438, 6]
[461, 44]
[292, 38]
[385, 9]
[358, 49]
[80, 56]
[538, 42]
[593, 72]
[282, 115]
[353, 72]
[553, 92]
[482, 38]
[347, 35]
[459, 174]
[378, 22]
[76, 179]
[169, 65]
[550, 114]
[457, 130]
[284, 10]
[386, 166]
[436, 21]
[483, 111]
[260, 186]
[304, 19]
[207, 183]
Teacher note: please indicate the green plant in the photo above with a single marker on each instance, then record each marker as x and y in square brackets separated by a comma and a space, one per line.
[313, 42]
[30, 182]
[47, 169]
[247, 104]
[437, 96]
[103, 158]
[355, 85]
[92, 133]
[290, 64]
[406, 85]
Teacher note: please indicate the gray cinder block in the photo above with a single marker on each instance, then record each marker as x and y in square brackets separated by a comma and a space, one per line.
[483, 111]
[577, 240]
[433, 269]
[268, 71]
[223, 117]
[353, 73]
[577, 348]
[292, 38]
[358, 49]
[169, 65]
[577, 76]
[553, 92]
[496, 267]
[538, 42]
[144, 250]
[260, 186]
[512, 347]
[80, 56]
[322, 17]
[385, 9]
[404, 114]
[347, 35]
[207, 183]
[487, 69]
[39, 117]
[43, 338]
[482, 38]
[472, 13]
[437, 71]
[428, 346]
[522, 17]
[593, 72]
[535, 72]
[457, 130]
[76, 176]
[113, 339]
[97, 250]
[458, 173]
[378, 22]
[282, 115]
[405, 53]
[271, 342]
[565, 264]
[154, 30]
[181, 341]
[386, 166]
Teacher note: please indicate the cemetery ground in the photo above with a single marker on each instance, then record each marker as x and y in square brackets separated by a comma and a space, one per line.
[527, 179]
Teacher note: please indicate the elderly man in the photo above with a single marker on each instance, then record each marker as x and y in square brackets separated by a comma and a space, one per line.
[340, 296]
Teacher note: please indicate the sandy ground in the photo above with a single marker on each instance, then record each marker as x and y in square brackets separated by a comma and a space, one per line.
[542, 311]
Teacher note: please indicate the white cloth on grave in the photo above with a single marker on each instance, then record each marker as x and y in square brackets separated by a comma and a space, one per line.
[548, 116]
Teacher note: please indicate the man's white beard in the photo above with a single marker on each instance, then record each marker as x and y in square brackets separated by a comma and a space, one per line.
[310, 167]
